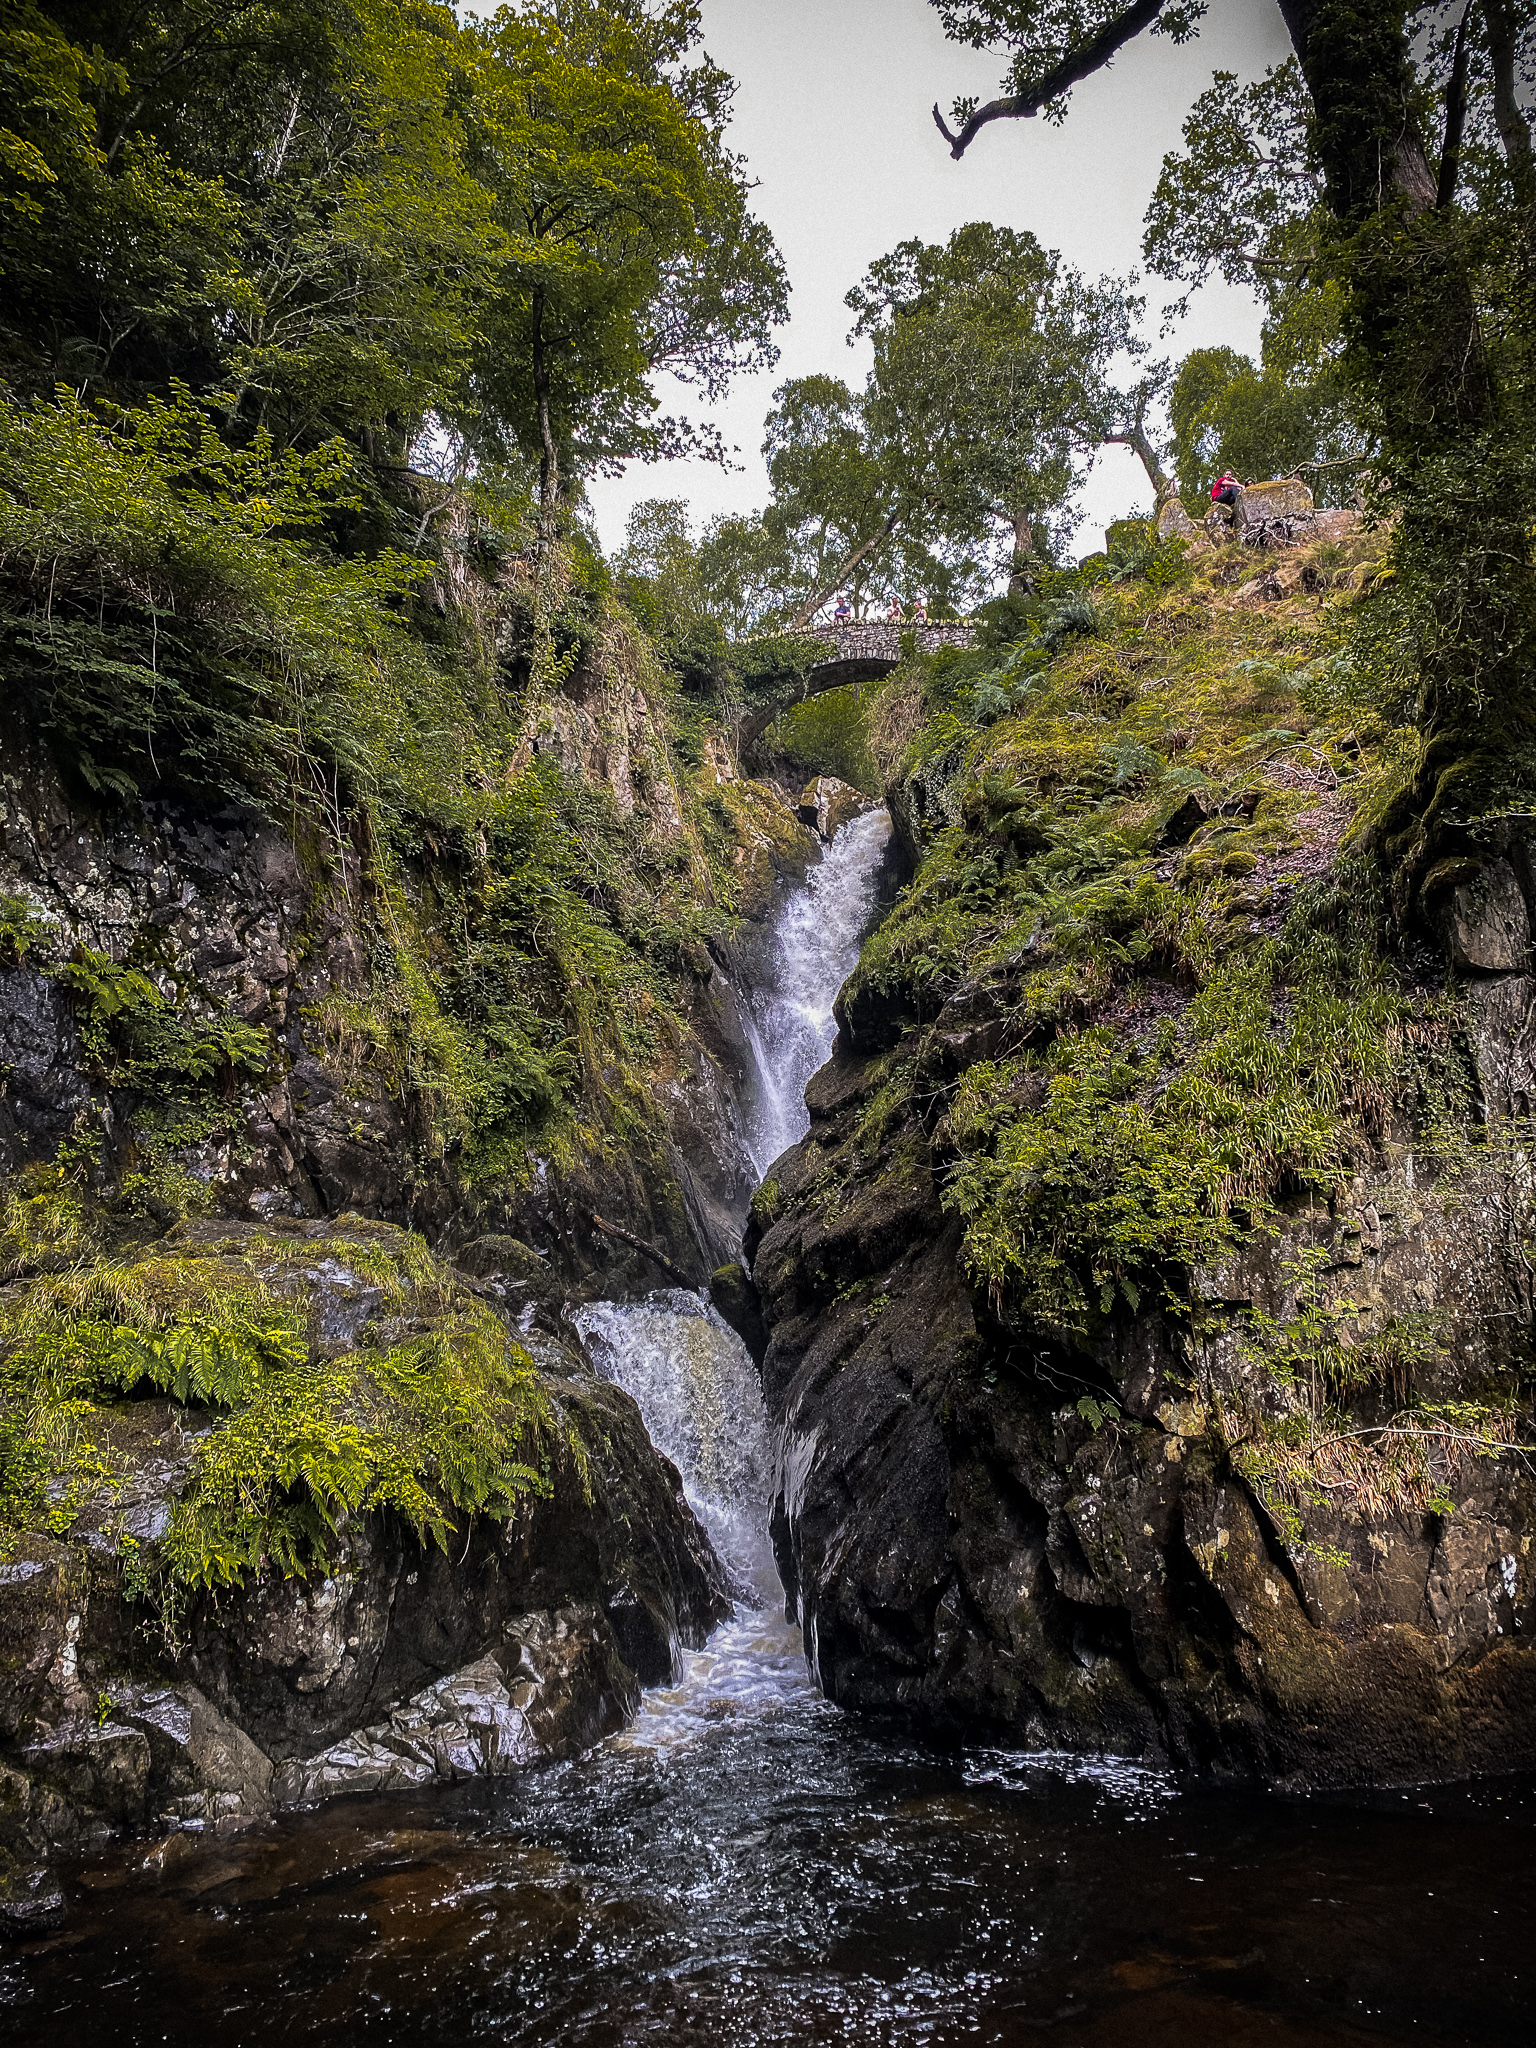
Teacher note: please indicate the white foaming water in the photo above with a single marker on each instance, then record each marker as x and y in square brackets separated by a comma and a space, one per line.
[691, 1376]
[815, 948]
[697, 1390]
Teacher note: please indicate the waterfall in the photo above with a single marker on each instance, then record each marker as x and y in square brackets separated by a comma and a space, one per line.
[815, 946]
[690, 1375]
[697, 1390]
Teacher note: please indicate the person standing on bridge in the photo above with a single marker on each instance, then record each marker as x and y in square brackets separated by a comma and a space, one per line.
[920, 611]
[895, 614]
[843, 613]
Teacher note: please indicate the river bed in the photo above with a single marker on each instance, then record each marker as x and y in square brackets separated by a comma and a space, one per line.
[788, 1876]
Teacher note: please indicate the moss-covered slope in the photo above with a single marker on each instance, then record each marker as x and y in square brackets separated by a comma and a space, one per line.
[292, 1509]
[1149, 1305]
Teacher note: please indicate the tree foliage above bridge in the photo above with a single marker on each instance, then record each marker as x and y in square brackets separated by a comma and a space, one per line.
[1410, 191]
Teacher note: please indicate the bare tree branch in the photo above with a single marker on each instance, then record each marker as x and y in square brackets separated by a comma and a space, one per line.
[1134, 436]
[1455, 114]
[1082, 63]
[650, 1251]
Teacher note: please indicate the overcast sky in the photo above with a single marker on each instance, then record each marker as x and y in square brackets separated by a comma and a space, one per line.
[832, 113]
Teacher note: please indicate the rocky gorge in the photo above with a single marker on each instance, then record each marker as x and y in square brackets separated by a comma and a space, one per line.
[1141, 1322]
[1061, 1462]
[294, 1505]
[141, 1695]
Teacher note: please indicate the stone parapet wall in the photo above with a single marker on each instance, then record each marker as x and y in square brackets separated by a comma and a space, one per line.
[880, 639]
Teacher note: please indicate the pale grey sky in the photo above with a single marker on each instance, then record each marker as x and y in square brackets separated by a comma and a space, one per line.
[832, 113]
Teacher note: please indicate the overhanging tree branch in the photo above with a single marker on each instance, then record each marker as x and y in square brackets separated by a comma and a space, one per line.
[1134, 436]
[1080, 64]
[840, 575]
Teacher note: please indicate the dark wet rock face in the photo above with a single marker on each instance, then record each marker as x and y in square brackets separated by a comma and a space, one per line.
[227, 919]
[968, 1549]
[553, 1686]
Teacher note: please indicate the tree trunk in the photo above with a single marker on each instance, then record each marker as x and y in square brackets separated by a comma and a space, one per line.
[1514, 129]
[549, 487]
[1354, 57]
[1450, 464]
[1134, 436]
[549, 455]
[1021, 578]
[1455, 114]
[840, 576]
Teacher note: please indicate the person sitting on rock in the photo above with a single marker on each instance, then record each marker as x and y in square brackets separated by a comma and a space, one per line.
[1228, 491]
[843, 613]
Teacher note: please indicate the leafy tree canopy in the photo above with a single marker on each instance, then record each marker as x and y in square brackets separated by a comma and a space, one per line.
[630, 247]
[350, 215]
[1266, 420]
[991, 381]
[1404, 180]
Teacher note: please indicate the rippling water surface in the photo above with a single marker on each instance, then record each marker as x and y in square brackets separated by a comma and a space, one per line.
[787, 1877]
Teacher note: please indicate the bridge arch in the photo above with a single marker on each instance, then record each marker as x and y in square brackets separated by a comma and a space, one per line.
[856, 653]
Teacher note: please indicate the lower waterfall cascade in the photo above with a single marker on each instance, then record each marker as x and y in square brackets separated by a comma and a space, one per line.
[697, 1390]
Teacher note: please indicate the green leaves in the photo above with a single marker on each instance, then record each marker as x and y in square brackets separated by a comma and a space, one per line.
[1068, 1205]
[164, 609]
[215, 1362]
[628, 246]
[449, 1419]
[990, 381]
[1085, 1177]
[136, 1039]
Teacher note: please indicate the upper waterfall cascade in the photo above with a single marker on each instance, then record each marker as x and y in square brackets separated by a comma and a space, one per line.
[815, 948]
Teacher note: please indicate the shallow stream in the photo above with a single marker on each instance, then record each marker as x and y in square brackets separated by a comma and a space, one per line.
[747, 1866]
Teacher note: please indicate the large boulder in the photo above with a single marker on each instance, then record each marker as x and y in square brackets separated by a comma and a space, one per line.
[973, 1542]
[132, 1700]
[828, 803]
[1174, 523]
[1285, 497]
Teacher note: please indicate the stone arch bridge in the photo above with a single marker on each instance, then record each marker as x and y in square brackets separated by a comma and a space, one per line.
[855, 653]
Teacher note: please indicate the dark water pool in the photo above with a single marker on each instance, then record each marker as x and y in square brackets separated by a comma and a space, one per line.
[790, 1877]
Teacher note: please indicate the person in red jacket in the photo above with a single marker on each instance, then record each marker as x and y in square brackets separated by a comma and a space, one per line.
[1227, 491]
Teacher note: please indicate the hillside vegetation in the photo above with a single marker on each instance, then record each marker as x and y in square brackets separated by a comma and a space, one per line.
[1145, 1009]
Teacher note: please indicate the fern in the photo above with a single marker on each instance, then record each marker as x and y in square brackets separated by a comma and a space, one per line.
[451, 1420]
